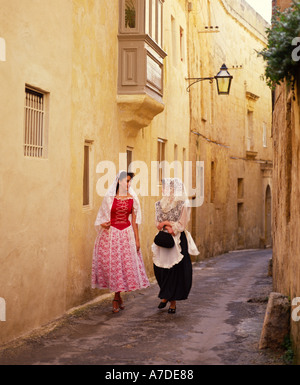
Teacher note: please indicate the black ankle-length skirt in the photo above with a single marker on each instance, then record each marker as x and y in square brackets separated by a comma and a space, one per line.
[175, 283]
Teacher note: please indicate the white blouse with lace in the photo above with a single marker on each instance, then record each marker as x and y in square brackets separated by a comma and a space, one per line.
[179, 218]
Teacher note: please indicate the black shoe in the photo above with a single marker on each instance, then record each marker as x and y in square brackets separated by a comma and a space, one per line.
[162, 305]
[172, 311]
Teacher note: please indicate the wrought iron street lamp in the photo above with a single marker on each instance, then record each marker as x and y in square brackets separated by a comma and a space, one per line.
[223, 79]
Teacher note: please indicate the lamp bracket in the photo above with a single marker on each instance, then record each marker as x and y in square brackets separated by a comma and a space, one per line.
[196, 80]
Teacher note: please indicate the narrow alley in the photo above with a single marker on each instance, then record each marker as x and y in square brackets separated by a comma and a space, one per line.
[219, 324]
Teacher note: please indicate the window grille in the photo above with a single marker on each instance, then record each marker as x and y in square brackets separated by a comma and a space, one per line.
[34, 133]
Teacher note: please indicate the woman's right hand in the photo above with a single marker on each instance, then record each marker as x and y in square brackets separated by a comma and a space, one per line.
[161, 225]
[106, 225]
[169, 230]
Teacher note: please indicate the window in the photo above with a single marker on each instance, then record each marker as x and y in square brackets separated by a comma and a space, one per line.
[129, 152]
[152, 14]
[174, 41]
[250, 144]
[198, 183]
[133, 19]
[130, 14]
[240, 188]
[35, 130]
[161, 157]
[177, 165]
[265, 135]
[213, 182]
[175, 152]
[181, 44]
[183, 163]
[87, 183]
[147, 17]
[159, 23]
[240, 223]
[2, 49]
[200, 172]
[240, 212]
[153, 20]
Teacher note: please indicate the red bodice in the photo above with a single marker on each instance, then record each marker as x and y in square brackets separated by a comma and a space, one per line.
[120, 211]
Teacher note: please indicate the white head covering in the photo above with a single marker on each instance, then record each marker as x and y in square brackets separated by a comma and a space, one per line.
[174, 197]
[173, 192]
[105, 209]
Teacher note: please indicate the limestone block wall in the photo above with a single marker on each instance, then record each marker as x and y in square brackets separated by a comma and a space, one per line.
[286, 214]
[285, 208]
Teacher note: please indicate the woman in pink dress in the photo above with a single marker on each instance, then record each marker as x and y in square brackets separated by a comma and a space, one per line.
[117, 259]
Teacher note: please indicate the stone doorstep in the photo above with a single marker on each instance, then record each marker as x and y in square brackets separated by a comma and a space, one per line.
[276, 323]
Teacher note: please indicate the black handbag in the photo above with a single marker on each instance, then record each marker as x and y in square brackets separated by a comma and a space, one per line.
[164, 239]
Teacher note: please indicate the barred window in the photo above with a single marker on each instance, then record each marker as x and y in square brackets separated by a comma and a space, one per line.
[35, 140]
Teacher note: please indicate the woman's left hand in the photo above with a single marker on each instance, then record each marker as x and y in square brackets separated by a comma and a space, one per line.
[137, 245]
[160, 226]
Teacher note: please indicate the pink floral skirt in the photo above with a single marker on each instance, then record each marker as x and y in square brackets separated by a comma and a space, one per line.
[116, 263]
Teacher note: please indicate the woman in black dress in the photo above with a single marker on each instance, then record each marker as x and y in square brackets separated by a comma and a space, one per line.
[172, 266]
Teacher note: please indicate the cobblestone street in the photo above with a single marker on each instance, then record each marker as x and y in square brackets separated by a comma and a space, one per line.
[220, 323]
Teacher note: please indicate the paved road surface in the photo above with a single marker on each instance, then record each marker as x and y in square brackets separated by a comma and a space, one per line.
[216, 325]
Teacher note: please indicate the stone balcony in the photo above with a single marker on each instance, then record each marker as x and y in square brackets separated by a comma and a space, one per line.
[140, 67]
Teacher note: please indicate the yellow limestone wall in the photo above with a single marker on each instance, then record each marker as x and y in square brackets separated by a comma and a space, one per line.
[286, 261]
[47, 235]
[34, 193]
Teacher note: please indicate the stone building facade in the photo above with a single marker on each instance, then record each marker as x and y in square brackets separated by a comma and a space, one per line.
[83, 84]
[286, 197]
[231, 134]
